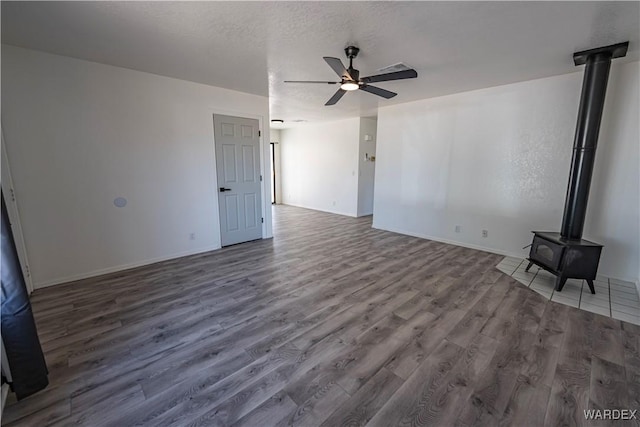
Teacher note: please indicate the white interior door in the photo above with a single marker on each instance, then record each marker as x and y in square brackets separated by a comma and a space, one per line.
[237, 144]
[14, 218]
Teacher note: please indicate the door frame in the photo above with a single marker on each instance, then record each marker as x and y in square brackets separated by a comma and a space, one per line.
[272, 155]
[14, 216]
[265, 187]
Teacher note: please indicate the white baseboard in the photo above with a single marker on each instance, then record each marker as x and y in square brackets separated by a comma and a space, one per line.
[481, 248]
[321, 210]
[450, 242]
[122, 267]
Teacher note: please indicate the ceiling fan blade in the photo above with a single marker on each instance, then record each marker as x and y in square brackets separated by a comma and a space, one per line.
[377, 91]
[311, 81]
[398, 75]
[337, 66]
[336, 97]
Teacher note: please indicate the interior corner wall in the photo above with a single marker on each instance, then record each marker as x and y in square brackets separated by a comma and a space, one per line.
[275, 137]
[366, 167]
[319, 166]
[498, 159]
[79, 134]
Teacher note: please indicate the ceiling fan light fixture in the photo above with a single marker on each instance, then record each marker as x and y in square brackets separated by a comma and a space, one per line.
[349, 86]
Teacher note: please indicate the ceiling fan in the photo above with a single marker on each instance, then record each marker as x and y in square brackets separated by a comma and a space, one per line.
[350, 78]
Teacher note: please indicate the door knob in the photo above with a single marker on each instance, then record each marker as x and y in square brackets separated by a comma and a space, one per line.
[222, 189]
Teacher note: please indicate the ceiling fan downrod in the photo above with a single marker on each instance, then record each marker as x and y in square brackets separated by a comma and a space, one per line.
[351, 52]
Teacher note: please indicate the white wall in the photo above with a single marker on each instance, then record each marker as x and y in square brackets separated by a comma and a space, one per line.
[366, 168]
[498, 159]
[80, 134]
[319, 166]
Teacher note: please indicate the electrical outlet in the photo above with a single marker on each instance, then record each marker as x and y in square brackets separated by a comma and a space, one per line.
[192, 236]
[334, 203]
[485, 233]
[458, 229]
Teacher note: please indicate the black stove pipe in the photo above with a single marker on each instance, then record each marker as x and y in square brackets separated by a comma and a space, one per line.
[594, 88]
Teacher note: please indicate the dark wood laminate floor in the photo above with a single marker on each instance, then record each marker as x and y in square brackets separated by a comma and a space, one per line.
[330, 323]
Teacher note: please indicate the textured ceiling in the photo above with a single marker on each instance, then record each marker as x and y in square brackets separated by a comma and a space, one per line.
[254, 46]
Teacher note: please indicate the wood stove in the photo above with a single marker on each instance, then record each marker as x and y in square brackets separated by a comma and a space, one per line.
[565, 258]
[566, 254]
